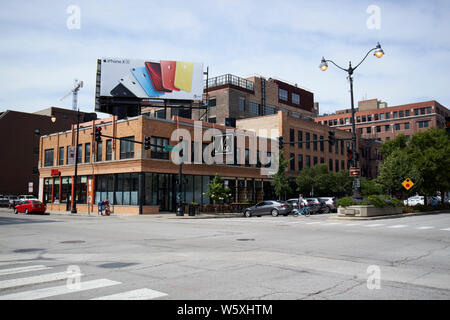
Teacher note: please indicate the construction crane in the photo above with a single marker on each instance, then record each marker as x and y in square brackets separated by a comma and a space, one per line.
[78, 85]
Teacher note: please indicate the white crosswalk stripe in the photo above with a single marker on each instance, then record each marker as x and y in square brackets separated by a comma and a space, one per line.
[139, 294]
[374, 225]
[59, 290]
[398, 226]
[425, 228]
[22, 269]
[12, 283]
[446, 229]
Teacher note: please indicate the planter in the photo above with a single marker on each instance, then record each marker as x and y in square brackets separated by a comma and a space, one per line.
[368, 211]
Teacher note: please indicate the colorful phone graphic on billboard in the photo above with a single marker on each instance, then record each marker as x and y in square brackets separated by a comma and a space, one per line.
[162, 79]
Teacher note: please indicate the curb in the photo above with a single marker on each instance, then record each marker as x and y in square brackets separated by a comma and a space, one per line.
[401, 215]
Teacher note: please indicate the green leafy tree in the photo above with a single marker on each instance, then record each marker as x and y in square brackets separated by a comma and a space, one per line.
[217, 191]
[280, 181]
[370, 187]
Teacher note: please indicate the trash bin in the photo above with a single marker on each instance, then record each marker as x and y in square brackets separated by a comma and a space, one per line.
[193, 209]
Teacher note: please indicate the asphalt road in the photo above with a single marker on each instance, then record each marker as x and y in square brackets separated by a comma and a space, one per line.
[142, 257]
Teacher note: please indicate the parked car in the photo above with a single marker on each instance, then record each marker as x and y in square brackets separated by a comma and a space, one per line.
[27, 197]
[267, 207]
[294, 202]
[314, 205]
[323, 207]
[29, 206]
[414, 201]
[331, 203]
[4, 201]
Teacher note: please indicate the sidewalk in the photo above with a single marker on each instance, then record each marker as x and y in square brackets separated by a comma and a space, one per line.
[166, 215]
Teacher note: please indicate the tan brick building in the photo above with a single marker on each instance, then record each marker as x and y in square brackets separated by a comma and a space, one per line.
[136, 180]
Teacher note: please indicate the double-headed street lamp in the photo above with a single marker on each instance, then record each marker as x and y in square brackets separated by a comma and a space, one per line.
[378, 52]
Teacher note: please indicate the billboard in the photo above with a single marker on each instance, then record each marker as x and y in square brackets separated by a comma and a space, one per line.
[157, 79]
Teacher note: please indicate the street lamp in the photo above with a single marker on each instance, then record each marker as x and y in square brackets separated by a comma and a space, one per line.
[378, 52]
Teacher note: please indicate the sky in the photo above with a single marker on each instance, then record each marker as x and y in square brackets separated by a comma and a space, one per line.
[44, 46]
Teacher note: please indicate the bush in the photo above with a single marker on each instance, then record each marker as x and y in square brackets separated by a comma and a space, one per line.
[377, 201]
[345, 202]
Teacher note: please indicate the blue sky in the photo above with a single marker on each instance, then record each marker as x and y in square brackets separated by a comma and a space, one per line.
[40, 57]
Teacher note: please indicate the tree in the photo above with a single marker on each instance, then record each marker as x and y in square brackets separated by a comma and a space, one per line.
[280, 181]
[217, 191]
[370, 187]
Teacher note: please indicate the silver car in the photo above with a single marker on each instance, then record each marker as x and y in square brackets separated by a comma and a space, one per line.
[267, 207]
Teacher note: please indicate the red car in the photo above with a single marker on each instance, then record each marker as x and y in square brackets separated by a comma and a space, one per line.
[28, 206]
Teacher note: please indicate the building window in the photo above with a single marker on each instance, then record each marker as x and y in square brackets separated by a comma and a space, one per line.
[375, 116]
[160, 114]
[335, 122]
[342, 146]
[341, 121]
[406, 125]
[108, 150]
[292, 162]
[308, 138]
[157, 148]
[378, 128]
[295, 98]
[269, 110]
[127, 148]
[330, 122]
[395, 114]
[358, 119]
[212, 103]
[423, 124]
[428, 110]
[363, 118]
[330, 164]
[422, 110]
[336, 165]
[300, 139]
[401, 114]
[48, 159]
[241, 104]
[387, 127]
[61, 156]
[321, 143]
[292, 136]
[397, 126]
[308, 161]
[283, 94]
[212, 120]
[80, 153]
[314, 161]
[369, 118]
[347, 120]
[87, 153]
[368, 129]
[416, 112]
[253, 107]
[315, 142]
[99, 151]
[342, 165]
[300, 162]
[381, 116]
[407, 113]
[388, 115]
[296, 115]
[322, 160]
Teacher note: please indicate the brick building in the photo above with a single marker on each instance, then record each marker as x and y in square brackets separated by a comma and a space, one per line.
[136, 180]
[375, 120]
[19, 132]
[232, 97]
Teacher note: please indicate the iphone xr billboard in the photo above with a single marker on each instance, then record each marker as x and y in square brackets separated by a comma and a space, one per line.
[160, 79]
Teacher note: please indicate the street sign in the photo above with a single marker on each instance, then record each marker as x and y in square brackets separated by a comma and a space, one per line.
[224, 144]
[408, 184]
[170, 148]
[355, 172]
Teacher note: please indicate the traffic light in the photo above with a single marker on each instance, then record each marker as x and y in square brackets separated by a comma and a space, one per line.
[280, 143]
[349, 154]
[331, 137]
[146, 143]
[98, 134]
[447, 124]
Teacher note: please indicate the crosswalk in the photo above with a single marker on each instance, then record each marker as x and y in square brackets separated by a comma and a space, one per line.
[391, 225]
[23, 284]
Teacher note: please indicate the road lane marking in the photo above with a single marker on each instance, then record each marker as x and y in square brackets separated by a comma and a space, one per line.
[138, 294]
[331, 223]
[374, 225]
[315, 222]
[398, 226]
[424, 228]
[23, 269]
[37, 279]
[60, 290]
[447, 229]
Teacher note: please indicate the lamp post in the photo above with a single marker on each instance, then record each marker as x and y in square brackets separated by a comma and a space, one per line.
[74, 196]
[180, 209]
[378, 52]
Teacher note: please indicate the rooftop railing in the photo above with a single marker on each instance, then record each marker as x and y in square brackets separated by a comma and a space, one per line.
[230, 79]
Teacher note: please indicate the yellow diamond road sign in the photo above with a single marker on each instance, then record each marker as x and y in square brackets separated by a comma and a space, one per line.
[407, 183]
